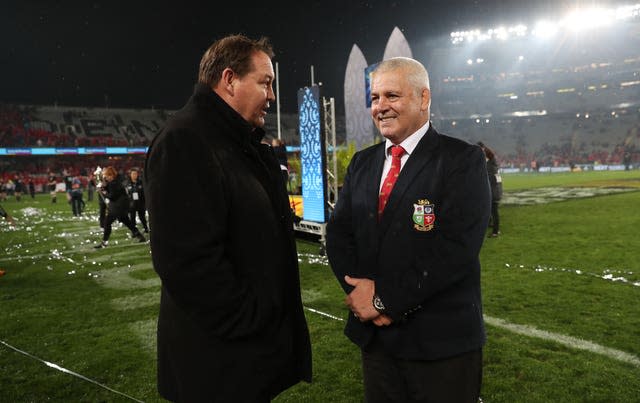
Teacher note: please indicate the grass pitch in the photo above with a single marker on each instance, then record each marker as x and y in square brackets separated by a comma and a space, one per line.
[565, 272]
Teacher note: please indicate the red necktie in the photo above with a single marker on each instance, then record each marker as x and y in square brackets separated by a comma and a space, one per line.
[390, 179]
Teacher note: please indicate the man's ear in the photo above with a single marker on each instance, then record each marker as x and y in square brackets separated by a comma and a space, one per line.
[426, 99]
[227, 80]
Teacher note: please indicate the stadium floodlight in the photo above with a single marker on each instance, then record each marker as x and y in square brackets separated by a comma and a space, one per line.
[501, 33]
[545, 29]
[580, 20]
[469, 62]
[625, 12]
[518, 30]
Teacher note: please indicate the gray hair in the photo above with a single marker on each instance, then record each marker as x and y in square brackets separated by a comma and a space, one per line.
[417, 74]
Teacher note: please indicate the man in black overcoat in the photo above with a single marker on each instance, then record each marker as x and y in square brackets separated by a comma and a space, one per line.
[403, 241]
[231, 326]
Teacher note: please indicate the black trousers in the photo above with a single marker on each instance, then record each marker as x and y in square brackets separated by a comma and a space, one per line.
[141, 215]
[495, 217]
[109, 219]
[455, 379]
[77, 204]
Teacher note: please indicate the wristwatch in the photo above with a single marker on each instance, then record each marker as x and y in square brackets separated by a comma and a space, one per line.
[377, 303]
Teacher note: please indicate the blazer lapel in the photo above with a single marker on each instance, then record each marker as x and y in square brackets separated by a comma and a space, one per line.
[414, 165]
[373, 184]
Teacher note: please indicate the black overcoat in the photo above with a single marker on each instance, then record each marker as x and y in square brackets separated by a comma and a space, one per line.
[423, 253]
[116, 193]
[231, 325]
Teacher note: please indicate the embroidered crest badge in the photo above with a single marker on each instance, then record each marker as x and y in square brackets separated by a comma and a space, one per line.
[424, 216]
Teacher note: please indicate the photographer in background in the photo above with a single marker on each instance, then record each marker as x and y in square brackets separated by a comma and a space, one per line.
[135, 190]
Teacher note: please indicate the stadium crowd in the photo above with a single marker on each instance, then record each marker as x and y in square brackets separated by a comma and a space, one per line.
[22, 126]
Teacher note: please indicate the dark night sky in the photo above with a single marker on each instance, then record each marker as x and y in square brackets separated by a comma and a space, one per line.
[143, 54]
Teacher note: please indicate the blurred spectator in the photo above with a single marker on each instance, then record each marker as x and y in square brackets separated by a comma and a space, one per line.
[115, 197]
[52, 184]
[280, 150]
[91, 187]
[32, 188]
[5, 215]
[77, 204]
[18, 188]
[495, 180]
[135, 191]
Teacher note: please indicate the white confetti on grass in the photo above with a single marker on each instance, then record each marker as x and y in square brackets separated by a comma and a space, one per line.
[31, 212]
[613, 275]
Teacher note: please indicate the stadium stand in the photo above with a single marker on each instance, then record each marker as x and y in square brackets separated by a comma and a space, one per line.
[37, 126]
[573, 99]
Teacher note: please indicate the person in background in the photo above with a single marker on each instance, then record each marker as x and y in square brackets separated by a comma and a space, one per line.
[91, 187]
[404, 242]
[102, 206]
[231, 326]
[280, 150]
[52, 184]
[77, 204]
[495, 181]
[135, 190]
[32, 188]
[3, 191]
[6, 216]
[19, 188]
[117, 206]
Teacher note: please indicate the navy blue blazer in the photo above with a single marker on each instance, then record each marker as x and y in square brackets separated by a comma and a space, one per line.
[423, 252]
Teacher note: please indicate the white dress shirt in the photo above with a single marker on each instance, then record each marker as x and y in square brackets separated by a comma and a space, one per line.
[409, 144]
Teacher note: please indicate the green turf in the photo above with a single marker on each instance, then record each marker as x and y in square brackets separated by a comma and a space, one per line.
[586, 178]
[94, 311]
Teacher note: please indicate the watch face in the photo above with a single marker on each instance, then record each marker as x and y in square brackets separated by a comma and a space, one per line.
[377, 303]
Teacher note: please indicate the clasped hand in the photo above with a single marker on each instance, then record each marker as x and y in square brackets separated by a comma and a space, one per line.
[360, 301]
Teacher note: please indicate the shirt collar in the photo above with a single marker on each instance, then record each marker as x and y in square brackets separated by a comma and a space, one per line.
[409, 144]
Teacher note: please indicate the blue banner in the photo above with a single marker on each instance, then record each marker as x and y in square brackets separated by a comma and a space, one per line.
[312, 155]
[71, 150]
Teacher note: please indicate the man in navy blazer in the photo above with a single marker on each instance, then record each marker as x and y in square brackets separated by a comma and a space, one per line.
[408, 258]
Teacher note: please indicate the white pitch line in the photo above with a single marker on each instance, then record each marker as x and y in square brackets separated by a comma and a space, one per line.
[66, 371]
[572, 342]
[530, 331]
[328, 315]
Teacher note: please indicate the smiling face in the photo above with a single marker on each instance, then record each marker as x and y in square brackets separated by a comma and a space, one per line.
[252, 93]
[398, 109]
